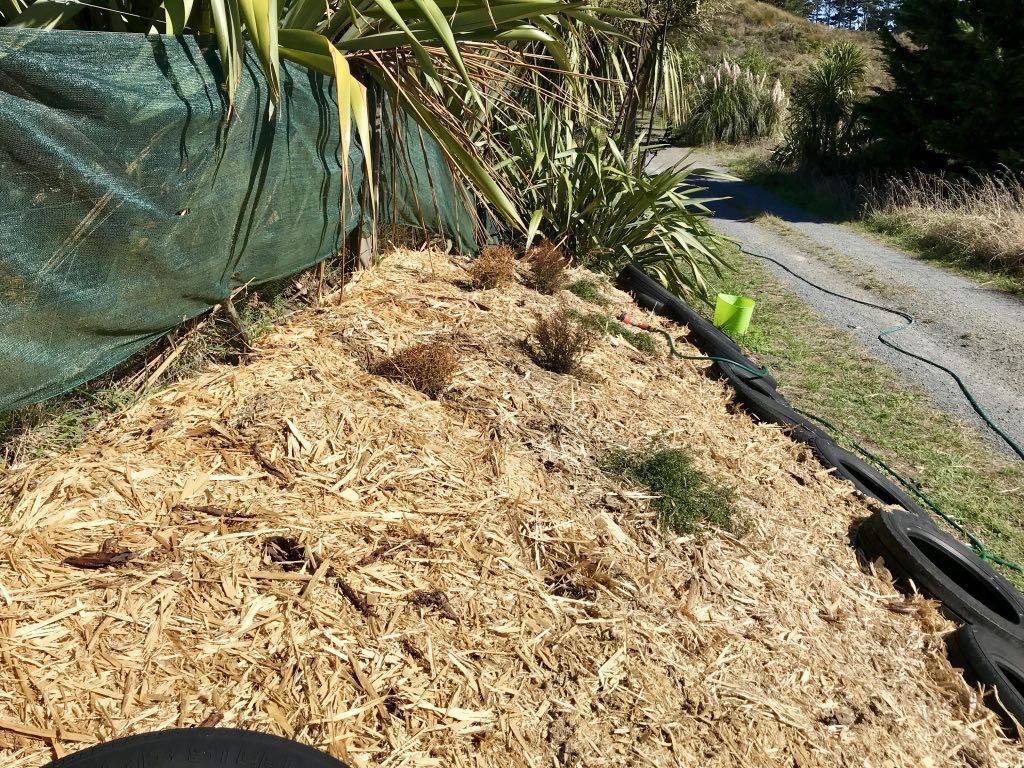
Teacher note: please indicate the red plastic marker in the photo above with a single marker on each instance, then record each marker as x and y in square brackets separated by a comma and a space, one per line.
[625, 318]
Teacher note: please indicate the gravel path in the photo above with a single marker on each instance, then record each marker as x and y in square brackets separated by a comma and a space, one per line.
[978, 332]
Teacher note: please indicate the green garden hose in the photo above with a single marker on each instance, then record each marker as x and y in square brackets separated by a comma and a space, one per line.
[976, 544]
[759, 372]
[884, 338]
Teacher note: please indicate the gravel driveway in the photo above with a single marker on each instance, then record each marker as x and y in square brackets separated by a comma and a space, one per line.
[978, 332]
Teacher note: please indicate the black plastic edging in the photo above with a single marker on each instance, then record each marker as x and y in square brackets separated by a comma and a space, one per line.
[652, 295]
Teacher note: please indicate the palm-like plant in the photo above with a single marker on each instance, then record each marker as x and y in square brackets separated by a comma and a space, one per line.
[822, 123]
[429, 56]
[583, 191]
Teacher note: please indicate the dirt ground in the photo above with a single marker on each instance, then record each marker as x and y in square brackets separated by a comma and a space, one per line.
[476, 591]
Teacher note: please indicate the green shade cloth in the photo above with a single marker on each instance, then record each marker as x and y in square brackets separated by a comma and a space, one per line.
[128, 204]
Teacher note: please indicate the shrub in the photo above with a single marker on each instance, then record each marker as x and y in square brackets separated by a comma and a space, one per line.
[686, 497]
[598, 200]
[589, 291]
[561, 341]
[428, 367]
[978, 220]
[823, 122]
[731, 104]
[495, 267]
[547, 268]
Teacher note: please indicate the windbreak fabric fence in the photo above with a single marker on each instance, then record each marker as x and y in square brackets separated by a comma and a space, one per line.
[128, 203]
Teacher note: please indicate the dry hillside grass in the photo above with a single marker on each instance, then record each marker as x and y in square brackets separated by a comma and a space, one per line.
[788, 43]
[476, 591]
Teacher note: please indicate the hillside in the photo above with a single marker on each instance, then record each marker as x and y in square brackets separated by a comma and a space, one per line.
[315, 551]
[784, 44]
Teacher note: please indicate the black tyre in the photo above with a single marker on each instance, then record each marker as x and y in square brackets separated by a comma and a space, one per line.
[761, 399]
[712, 340]
[998, 664]
[740, 377]
[199, 748]
[864, 477]
[917, 552]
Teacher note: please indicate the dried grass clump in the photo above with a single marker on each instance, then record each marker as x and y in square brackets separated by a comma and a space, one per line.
[561, 341]
[428, 367]
[495, 267]
[547, 268]
[974, 221]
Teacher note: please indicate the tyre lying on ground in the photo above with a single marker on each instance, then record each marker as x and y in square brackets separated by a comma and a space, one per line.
[863, 476]
[712, 341]
[998, 664]
[741, 377]
[920, 555]
[766, 404]
[199, 748]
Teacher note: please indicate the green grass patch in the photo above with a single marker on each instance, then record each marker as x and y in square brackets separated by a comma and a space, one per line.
[823, 370]
[686, 497]
[59, 424]
[642, 340]
[589, 291]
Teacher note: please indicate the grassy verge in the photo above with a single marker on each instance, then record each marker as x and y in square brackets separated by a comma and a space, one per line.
[825, 372]
[918, 231]
[922, 234]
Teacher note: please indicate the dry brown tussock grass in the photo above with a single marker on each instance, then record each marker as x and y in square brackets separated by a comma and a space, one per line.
[428, 367]
[977, 220]
[495, 267]
[547, 268]
[560, 342]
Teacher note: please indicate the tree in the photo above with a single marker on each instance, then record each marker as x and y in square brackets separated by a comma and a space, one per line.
[863, 15]
[796, 7]
[823, 120]
[879, 15]
[957, 98]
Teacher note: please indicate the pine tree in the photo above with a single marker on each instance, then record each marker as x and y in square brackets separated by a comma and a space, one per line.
[958, 85]
[878, 15]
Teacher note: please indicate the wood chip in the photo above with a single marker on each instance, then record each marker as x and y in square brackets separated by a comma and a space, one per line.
[503, 601]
